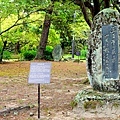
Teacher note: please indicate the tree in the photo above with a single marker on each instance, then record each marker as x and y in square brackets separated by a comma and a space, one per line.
[45, 32]
[22, 10]
[68, 21]
[90, 8]
[62, 20]
[25, 9]
[46, 27]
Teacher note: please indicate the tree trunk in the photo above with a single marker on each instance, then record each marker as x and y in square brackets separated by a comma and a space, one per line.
[106, 3]
[1, 53]
[44, 36]
[84, 11]
[96, 7]
[17, 47]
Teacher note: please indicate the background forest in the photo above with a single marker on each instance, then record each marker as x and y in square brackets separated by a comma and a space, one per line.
[32, 28]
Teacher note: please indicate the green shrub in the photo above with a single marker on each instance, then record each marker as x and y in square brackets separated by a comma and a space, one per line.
[29, 55]
[48, 53]
[1, 46]
[15, 56]
[83, 53]
[6, 55]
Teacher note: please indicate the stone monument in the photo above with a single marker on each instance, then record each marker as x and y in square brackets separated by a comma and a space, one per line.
[103, 59]
[57, 53]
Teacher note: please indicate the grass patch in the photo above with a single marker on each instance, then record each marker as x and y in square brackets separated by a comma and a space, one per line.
[15, 56]
[92, 104]
[116, 104]
[75, 57]
[73, 103]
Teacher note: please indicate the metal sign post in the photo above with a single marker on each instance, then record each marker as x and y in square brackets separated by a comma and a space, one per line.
[38, 100]
[78, 54]
[39, 73]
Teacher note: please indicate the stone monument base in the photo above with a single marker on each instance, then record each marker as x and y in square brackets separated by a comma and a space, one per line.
[92, 103]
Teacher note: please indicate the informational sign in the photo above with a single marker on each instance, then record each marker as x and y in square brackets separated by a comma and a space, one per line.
[110, 52]
[39, 72]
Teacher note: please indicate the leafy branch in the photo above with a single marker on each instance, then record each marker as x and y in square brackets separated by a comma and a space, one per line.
[16, 23]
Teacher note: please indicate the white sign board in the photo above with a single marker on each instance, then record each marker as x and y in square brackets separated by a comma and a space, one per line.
[39, 72]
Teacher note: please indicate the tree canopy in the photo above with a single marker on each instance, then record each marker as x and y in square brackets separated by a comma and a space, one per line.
[90, 8]
[24, 21]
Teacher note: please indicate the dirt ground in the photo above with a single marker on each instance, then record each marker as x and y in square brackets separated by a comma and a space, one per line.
[67, 79]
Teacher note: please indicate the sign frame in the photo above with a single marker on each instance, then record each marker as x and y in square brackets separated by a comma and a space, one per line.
[39, 73]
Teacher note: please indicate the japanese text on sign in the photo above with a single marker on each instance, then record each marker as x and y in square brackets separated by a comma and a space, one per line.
[110, 51]
[39, 72]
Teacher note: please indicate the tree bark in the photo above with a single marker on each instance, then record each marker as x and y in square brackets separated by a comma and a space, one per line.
[1, 53]
[90, 6]
[17, 47]
[44, 35]
[84, 11]
[106, 3]
[96, 7]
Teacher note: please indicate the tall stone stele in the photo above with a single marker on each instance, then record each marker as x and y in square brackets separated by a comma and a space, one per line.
[103, 61]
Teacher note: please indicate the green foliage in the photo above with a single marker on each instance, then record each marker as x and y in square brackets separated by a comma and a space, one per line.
[6, 55]
[49, 48]
[1, 44]
[15, 56]
[48, 53]
[29, 55]
[54, 37]
[68, 22]
[28, 32]
[83, 53]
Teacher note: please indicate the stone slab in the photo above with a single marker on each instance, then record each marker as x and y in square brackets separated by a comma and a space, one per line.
[110, 52]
